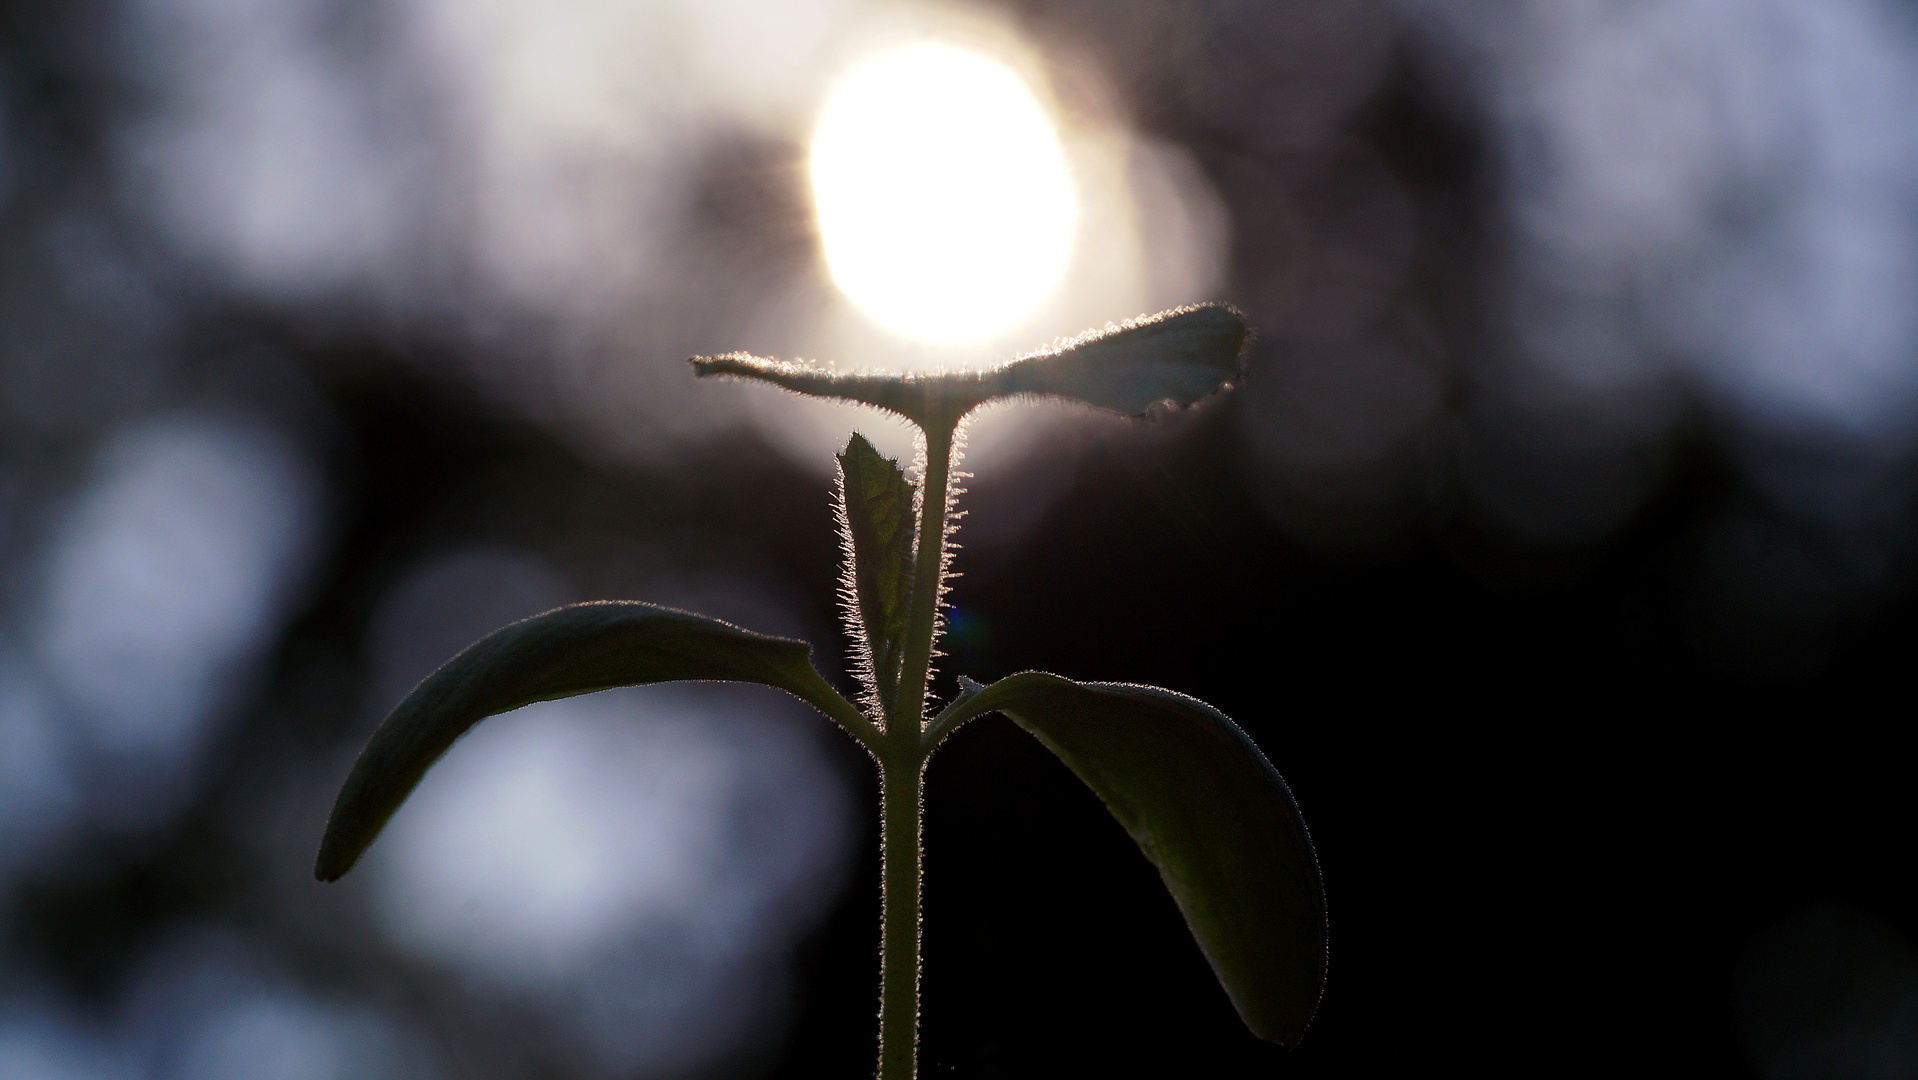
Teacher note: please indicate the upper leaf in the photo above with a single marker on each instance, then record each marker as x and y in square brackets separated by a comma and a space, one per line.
[1210, 812]
[1178, 356]
[569, 651]
[876, 499]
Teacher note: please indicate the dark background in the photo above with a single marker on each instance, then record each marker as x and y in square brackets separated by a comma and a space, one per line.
[1598, 781]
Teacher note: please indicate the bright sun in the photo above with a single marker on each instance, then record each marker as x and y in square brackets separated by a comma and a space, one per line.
[942, 194]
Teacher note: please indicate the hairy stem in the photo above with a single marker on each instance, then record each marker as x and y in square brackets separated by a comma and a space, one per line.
[930, 571]
[902, 763]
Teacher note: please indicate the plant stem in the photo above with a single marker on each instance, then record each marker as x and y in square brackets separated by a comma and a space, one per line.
[928, 576]
[899, 933]
[902, 764]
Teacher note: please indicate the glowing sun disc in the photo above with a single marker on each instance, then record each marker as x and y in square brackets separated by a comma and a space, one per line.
[942, 194]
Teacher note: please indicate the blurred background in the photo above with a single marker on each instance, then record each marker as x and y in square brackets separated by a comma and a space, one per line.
[1557, 547]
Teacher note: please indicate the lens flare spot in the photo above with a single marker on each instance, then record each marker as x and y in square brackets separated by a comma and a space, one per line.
[942, 194]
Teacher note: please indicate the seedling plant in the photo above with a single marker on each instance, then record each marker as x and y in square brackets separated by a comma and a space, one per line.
[1201, 801]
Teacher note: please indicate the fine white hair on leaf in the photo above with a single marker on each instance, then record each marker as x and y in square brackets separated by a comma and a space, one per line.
[855, 623]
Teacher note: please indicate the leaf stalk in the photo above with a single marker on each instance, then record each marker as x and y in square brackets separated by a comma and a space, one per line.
[929, 581]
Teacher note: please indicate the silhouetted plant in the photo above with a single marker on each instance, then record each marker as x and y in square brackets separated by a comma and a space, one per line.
[1204, 805]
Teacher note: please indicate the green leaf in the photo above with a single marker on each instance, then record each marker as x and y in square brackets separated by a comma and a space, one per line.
[1178, 356]
[876, 504]
[1210, 812]
[569, 651]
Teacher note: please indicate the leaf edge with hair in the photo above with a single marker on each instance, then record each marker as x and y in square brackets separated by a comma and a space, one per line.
[1179, 357]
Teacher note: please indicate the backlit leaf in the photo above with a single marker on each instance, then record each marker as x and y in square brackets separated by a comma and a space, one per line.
[573, 650]
[876, 499]
[1178, 356]
[1210, 812]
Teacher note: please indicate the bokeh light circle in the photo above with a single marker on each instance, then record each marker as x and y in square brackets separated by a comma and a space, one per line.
[943, 198]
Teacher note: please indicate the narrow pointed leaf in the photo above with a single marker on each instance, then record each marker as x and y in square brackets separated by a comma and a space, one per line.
[573, 650]
[876, 499]
[1178, 356]
[1210, 812]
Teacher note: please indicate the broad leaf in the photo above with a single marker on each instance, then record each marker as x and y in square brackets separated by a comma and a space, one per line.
[573, 650]
[876, 501]
[1210, 812]
[1178, 356]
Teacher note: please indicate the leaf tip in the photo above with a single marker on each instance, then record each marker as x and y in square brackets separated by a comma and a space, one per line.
[858, 447]
[332, 863]
[733, 363]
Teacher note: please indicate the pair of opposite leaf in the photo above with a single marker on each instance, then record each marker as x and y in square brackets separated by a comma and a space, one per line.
[1201, 801]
